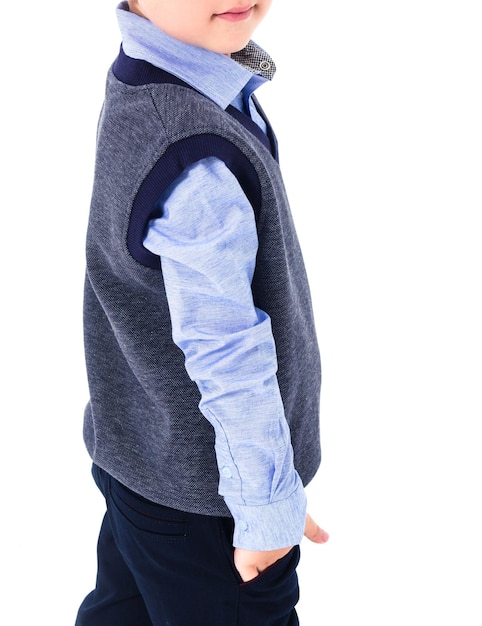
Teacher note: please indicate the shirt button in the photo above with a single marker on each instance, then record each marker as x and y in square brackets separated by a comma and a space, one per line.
[226, 472]
[242, 525]
[265, 66]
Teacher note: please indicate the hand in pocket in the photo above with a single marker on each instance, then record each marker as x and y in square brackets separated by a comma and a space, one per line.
[251, 563]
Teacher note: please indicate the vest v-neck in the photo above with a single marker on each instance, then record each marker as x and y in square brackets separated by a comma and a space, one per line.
[137, 72]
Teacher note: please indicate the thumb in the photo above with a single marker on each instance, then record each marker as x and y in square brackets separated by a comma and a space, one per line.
[314, 532]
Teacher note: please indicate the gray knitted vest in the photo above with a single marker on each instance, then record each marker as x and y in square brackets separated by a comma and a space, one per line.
[142, 423]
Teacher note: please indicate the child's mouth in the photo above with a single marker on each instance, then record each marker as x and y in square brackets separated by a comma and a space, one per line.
[236, 14]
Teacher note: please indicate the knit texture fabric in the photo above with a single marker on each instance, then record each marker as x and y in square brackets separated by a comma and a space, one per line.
[142, 423]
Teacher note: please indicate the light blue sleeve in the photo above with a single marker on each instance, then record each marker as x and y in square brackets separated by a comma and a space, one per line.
[207, 240]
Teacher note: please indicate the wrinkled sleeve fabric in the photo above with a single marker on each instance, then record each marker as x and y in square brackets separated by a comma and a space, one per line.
[207, 240]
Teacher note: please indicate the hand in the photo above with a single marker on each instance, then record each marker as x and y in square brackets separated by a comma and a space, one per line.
[251, 563]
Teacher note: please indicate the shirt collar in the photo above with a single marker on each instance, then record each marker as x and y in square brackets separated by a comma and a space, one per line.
[217, 76]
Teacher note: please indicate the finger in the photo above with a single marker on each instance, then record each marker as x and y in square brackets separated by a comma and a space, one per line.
[314, 532]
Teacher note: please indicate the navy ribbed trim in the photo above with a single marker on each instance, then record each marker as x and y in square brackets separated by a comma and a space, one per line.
[174, 161]
[136, 72]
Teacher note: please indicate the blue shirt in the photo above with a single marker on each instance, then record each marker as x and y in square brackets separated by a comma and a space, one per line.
[207, 241]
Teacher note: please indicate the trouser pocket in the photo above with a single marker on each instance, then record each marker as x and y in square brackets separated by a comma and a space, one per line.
[270, 598]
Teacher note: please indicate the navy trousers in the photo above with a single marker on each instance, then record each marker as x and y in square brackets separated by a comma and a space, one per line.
[162, 567]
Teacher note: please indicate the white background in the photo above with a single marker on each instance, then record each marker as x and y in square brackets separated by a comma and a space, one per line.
[377, 106]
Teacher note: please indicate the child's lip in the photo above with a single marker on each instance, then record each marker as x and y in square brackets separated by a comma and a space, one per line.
[236, 11]
[244, 9]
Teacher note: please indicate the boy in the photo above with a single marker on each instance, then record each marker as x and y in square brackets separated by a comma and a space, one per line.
[201, 350]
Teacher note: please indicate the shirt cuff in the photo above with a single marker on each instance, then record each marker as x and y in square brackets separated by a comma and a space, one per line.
[270, 526]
